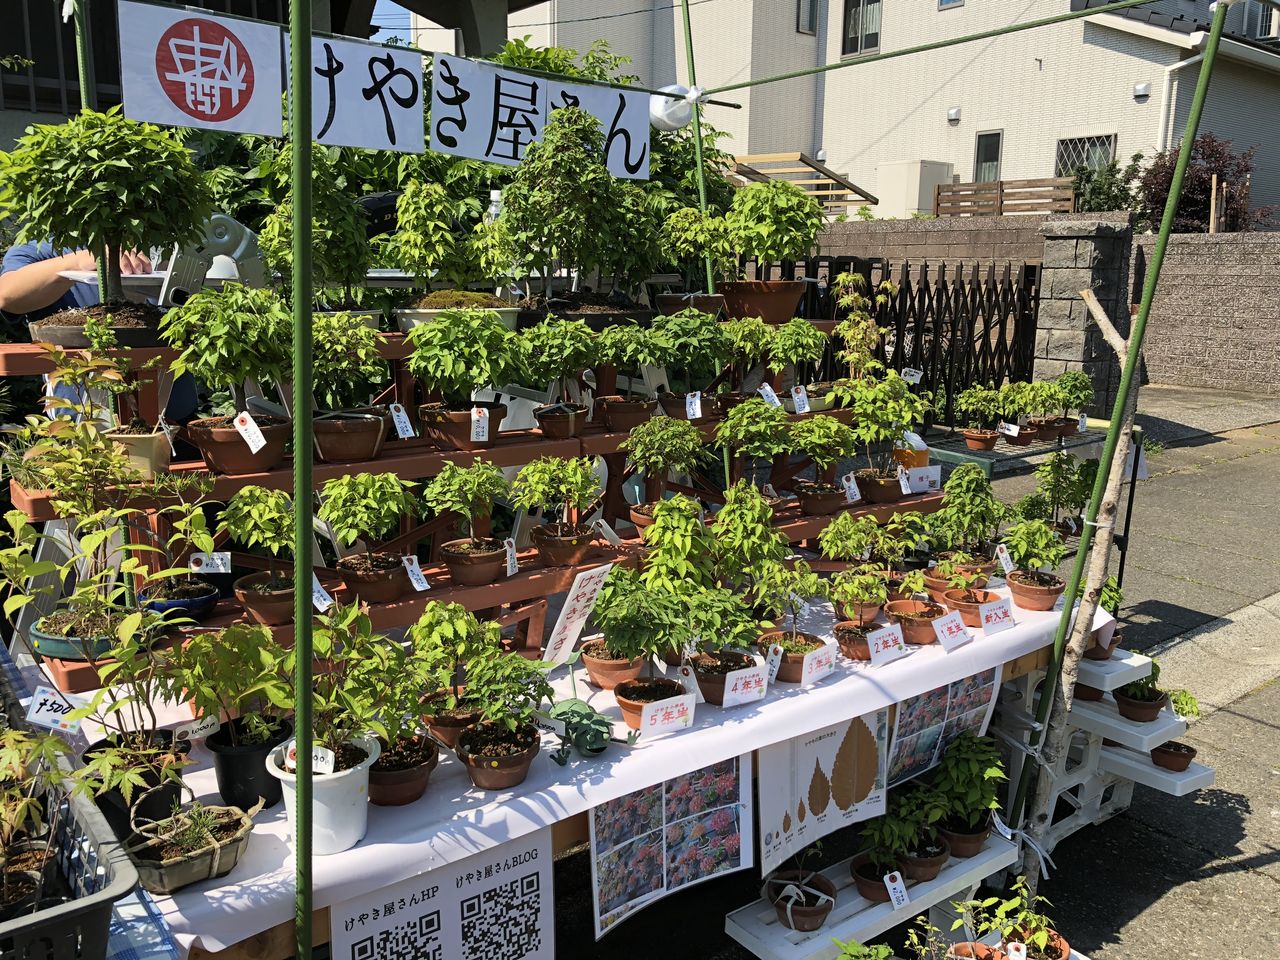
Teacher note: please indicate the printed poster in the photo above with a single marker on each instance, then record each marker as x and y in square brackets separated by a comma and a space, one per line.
[815, 784]
[669, 836]
[927, 724]
[496, 905]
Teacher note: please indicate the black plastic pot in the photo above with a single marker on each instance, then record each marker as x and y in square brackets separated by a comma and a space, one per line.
[153, 801]
[242, 769]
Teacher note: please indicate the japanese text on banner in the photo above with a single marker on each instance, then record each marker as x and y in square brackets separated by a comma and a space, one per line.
[366, 95]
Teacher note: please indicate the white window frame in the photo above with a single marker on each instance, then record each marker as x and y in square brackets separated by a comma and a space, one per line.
[810, 29]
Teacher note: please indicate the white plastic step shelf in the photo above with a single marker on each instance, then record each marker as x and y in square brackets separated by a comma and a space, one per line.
[1125, 666]
[756, 925]
[1139, 768]
[1102, 717]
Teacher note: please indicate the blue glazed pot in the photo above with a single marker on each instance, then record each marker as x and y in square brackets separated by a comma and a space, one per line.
[67, 648]
[194, 608]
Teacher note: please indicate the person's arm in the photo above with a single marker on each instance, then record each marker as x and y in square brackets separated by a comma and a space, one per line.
[37, 285]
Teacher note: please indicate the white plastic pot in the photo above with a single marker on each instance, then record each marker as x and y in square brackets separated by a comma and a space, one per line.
[410, 317]
[339, 801]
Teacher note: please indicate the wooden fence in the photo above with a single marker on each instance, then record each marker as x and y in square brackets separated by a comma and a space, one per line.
[1000, 197]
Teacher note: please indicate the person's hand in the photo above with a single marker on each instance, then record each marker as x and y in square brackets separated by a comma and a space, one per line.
[80, 260]
[131, 261]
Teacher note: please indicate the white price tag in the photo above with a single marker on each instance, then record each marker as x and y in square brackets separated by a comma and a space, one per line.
[1071, 525]
[770, 397]
[1001, 827]
[818, 664]
[219, 562]
[800, 397]
[608, 533]
[322, 759]
[479, 425]
[513, 562]
[1009, 429]
[690, 681]
[668, 716]
[925, 479]
[951, 631]
[904, 482]
[996, 615]
[319, 595]
[416, 576]
[774, 663]
[49, 708]
[1006, 562]
[912, 375]
[897, 890]
[886, 644]
[201, 727]
[1083, 425]
[1016, 951]
[1060, 604]
[746, 685]
[851, 492]
[400, 417]
[249, 430]
[769, 492]
[693, 405]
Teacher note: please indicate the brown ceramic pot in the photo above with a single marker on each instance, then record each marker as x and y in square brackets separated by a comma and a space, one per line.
[981, 439]
[395, 788]
[794, 916]
[473, 568]
[868, 880]
[791, 670]
[225, 451]
[560, 421]
[669, 303]
[1026, 436]
[375, 586]
[1173, 755]
[876, 489]
[817, 501]
[623, 416]
[916, 629]
[924, 869]
[607, 674]
[673, 404]
[851, 638]
[1047, 428]
[453, 427]
[641, 520]
[271, 609]
[969, 610]
[349, 437]
[972, 950]
[965, 843]
[773, 301]
[499, 773]
[559, 550]
[1097, 651]
[711, 682]
[1139, 711]
[631, 709]
[860, 614]
[1030, 595]
[1085, 692]
[448, 727]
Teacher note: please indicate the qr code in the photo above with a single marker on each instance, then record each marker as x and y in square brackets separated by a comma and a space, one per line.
[416, 940]
[504, 922]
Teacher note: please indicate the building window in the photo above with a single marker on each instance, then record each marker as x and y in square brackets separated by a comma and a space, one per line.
[1268, 23]
[807, 16]
[861, 27]
[986, 157]
[948, 4]
[1091, 152]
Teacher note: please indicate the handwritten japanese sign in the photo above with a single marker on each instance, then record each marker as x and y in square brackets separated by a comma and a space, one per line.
[886, 644]
[951, 631]
[818, 664]
[996, 616]
[366, 95]
[746, 685]
[667, 716]
[577, 607]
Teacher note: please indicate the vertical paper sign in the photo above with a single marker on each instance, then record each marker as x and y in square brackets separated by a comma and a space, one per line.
[577, 607]
[188, 69]
[366, 95]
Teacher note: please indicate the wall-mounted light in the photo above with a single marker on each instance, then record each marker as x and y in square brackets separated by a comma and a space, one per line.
[953, 116]
[1142, 92]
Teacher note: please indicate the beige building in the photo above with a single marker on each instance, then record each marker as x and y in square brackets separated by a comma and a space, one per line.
[1030, 105]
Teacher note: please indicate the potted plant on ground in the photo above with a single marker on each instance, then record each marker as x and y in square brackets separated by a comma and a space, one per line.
[754, 429]
[968, 778]
[507, 689]
[1015, 920]
[794, 344]
[258, 517]
[470, 493]
[659, 447]
[1142, 700]
[456, 354]
[368, 507]
[860, 593]
[1076, 394]
[647, 620]
[226, 337]
[982, 407]
[554, 352]
[771, 222]
[695, 345]
[827, 442]
[569, 486]
[449, 635]
[630, 347]
[1034, 546]
[193, 843]
[692, 237]
[883, 411]
[347, 369]
[803, 898]
[788, 592]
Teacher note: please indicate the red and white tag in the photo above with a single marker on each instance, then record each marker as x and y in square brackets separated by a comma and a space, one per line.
[49, 708]
[320, 597]
[668, 716]
[770, 397]
[897, 890]
[996, 616]
[1008, 429]
[800, 397]
[196, 729]
[479, 425]
[818, 664]
[693, 405]
[609, 534]
[912, 375]
[513, 562]
[416, 576]
[250, 432]
[400, 417]
[951, 631]
[322, 759]
[690, 681]
[746, 685]
[774, 663]
[1016, 951]
[1006, 562]
[219, 562]
[886, 645]
[851, 492]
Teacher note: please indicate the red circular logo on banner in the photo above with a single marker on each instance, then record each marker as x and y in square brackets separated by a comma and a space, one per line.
[204, 70]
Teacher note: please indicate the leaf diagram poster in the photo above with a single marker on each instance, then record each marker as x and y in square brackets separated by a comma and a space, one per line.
[926, 724]
[669, 836]
[820, 782]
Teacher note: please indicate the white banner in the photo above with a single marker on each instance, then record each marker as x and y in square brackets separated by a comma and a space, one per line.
[578, 604]
[191, 69]
[366, 95]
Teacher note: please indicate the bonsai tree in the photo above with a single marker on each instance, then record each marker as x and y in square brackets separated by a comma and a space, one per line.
[426, 243]
[468, 492]
[970, 516]
[695, 343]
[638, 620]
[968, 778]
[909, 828]
[661, 446]
[1058, 478]
[754, 429]
[1076, 391]
[629, 346]
[680, 549]
[1111, 597]
[1033, 544]
[825, 440]
[691, 237]
[773, 221]
[852, 538]
[554, 351]
[1033, 506]
[749, 343]
[553, 482]
[366, 506]
[788, 590]
[1147, 689]
[745, 544]
[30, 764]
[258, 517]
[858, 330]
[345, 360]
[633, 261]
[102, 182]
[981, 406]
[508, 691]
[883, 411]
[1016, 401]
[796, 343]
[902, 536]
[858, 590]
[461, 351]
[718, 621]
[447, 636]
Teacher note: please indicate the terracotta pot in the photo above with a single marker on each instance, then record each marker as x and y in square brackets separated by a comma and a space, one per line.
[560, 421]
[476, 568]
[852, 640]
[669, 303]
[728, 401]
[792, 668]
[607, 674]
[969, 609]
[924, 869]
[965, 843]
[395, 788]
[75, 676]
[453, 427]
[271, 609]
[349, 437]
[1032, 596]
[1047, 428]
[148, 453]
[673, 404]
[815, 502]
[499, 773]
[641, 520]
[1057, 942]
[860, 614]
[1097, 651]
[623, 416]
[981, 439]
[1085, 692]
[711, 683]
[793, 916]
[1026, 436]
[631, 709]
[1173, 755]
[225, 451]
[1139, 711]
[916, 630]
[1068, 427]
[376, 586]
[869, 882]
[448, 727]
[976, 951]
[877, 489]
[562, 551]
[773, 301]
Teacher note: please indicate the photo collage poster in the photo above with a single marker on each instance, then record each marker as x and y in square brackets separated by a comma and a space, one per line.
[926, 724]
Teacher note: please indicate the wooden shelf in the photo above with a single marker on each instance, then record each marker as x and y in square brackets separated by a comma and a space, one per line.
[1125, 666]
[1139, 768]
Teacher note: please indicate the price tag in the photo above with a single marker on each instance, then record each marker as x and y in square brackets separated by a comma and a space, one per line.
[667, 716]
[996, 615]
[851, 492]
[201, 727]
[770, 397]
[769, 492]
[887, 644]
[479, 425]
[322, 759]
[951, 631]
[1001, 827]
[1006, 562]
[319, 595]
[912, 375]
[219, 562]
[800, 397]
[897, 890]
[746, 685]
[904, 481]
[1071, 525]
[925, 479]
[1083, 425]
[404, 429]
[1008, 429]
[608, 533]
[513, 563]
[690, 681]
[49, 708]
[1016, 951]
[818, 664]
[693, 405]
[416, 576]
[1060, 604]
[774, 663]
[249, 430]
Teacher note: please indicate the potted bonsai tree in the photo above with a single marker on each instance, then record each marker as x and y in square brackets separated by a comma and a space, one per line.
[884, 839]
[861, 593]
[1142, 700]
[507, 690]
[803, 898]
[368, 507]
[347, 369]
[970, 518]
[691, 237]
[1015, 920]
[695, 345]
[794, 344]
[1076, 393]
[771, 222]
[659, 447]
[721, 627]
[968, 778]
[749, 339]
[827, 442]
[185, 496]
[456, 354]
[571, 487]
[1044, 397]
[1016, 404]
[981, 407]
[910, 831]
[858, 330]
[449, 636]
[554, 352]
[964, 594]
[226, 337]
[914, 616]
[628, 616]
[33, 766]
[193, 843]
[883, 411]
[1110, 599]
[1033, 545]
[645, 619]
[754, 429]
[630, 347]
[851, 538]
[469, 492]
[258, 517]
[745, 543]
[789, 590]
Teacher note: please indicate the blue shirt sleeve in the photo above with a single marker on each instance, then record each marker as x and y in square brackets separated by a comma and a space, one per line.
[25, 254]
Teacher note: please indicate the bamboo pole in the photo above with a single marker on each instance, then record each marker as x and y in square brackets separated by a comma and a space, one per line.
[697, 135]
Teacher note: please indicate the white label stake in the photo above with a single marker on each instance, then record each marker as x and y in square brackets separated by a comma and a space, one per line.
[609, 534]
[1006, 561]
[912, 375]
[513, 562]
[851, 492]
[693, 405]
[319, 595]
[770, 397]
[249, 430]
[219, 562]
[404, 429]
[201, 727]
[690, 681]
[479, 425]
[775, 661]
[416, 576]
[904, 482]
[800, 397]
[897, 890]
[1009, 429]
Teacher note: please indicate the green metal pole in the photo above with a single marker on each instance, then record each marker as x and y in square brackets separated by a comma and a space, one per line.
[1122, 396]
[697, 134]
[88, 101]
[300, 132]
